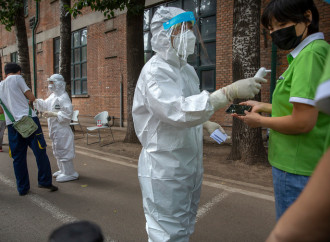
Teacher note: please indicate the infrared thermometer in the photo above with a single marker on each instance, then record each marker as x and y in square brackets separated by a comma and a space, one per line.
[262, 72]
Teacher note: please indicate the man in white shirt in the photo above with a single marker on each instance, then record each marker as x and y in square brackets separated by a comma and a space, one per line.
[17, 96]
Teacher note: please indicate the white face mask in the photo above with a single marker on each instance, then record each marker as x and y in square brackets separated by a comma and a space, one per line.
[51, 87]
[184, 43]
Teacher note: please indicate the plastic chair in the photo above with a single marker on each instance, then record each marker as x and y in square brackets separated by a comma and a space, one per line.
[102, 122]
[75, 121]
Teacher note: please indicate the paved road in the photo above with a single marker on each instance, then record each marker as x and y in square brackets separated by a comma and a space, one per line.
[108, 193]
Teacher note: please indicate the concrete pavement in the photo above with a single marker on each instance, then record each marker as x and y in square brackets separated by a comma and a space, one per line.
[108, 193]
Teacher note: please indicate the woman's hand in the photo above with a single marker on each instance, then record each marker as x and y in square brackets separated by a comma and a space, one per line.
[252, 119]
[258, 107]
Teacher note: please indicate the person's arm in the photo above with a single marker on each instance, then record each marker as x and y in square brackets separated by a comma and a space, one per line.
[29, 95]
[302, 120]
[308, 218]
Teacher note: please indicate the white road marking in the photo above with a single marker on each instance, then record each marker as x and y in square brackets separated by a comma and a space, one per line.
[241, 191]
[106, 153]
[206, 208]
[269, 189]
[55, 212]
[123, 163]
[205, 183]
[7, 181]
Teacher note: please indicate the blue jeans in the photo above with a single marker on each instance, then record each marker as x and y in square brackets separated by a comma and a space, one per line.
[287, 187]
[18, 148]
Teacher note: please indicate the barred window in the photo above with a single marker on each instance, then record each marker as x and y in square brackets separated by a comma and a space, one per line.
[26, 7]
[57, 55]
[14, 57]
[79, 62]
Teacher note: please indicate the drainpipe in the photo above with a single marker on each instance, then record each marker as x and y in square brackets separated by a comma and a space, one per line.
[34, 49]
[121, 102]
[273, 73]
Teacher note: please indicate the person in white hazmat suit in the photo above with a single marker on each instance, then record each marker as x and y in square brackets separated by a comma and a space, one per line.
[168, 113]
[57, 108]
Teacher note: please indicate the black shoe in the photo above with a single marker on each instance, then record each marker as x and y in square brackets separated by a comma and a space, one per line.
[52, 188]
[23, 193]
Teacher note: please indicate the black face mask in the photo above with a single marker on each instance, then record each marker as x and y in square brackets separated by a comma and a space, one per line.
[286, 38]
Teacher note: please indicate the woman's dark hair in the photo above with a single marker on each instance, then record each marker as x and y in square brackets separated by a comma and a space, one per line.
[291, 10]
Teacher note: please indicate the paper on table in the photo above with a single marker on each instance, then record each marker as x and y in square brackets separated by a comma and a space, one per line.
[218, 136]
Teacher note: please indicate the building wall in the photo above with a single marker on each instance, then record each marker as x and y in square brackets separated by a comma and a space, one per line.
[107, 58]
[224, 53]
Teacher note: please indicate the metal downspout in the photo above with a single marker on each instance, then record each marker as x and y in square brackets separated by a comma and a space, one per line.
[34, 49]
[273, 73]
[121, 103]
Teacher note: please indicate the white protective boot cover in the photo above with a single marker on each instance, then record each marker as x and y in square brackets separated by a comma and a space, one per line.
[57, 173]
[68, 173]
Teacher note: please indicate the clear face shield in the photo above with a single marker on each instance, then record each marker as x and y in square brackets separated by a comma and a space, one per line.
[56, 84]
[184, 35]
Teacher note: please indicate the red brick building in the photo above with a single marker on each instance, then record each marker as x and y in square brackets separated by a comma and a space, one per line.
[99, 51]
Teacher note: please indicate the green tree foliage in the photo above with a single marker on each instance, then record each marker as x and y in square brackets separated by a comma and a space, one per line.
[8, 12]
[106, 6]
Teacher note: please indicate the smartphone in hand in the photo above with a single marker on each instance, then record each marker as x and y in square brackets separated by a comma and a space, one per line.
[238, 109]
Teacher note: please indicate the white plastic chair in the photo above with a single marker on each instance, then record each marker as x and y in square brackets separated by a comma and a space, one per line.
[75, 121]
[102, 122]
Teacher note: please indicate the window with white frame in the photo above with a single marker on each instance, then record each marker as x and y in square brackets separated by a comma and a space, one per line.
[79, 62]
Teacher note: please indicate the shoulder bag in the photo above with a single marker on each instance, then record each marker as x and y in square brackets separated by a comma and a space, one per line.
[25, 126]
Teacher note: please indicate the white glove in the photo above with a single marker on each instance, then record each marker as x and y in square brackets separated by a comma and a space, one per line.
[246, 88]
[36, 105]
[49, 114]
[218, 99]
[212, 126]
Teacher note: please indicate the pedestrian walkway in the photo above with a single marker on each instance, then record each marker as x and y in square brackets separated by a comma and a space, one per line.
[215, 164]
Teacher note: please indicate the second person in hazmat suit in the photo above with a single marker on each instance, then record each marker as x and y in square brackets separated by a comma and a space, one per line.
[168, 112]
[57, 108]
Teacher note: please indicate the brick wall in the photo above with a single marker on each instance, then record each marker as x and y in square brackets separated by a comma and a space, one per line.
[224, 53]
[106, 58]
[106, 53]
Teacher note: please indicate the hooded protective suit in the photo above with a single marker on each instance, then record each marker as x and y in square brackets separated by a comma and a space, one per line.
[58, 109]
[168, 112]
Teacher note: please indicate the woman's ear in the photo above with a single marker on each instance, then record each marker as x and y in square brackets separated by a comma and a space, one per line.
[308, 15]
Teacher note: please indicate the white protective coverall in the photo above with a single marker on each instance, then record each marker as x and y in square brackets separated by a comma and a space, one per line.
[58, 108]
[168, 113]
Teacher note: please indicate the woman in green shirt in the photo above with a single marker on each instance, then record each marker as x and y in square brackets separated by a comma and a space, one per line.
[298, 129]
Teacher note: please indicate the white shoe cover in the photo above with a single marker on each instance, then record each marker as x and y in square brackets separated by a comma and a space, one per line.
[57, 173]
[60, 169]
[66, 178]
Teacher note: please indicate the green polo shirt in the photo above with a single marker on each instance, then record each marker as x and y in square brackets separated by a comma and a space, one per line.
[300, 153]
[323, 93]
[2, 116]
